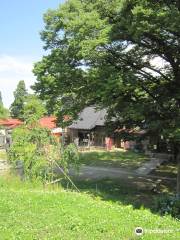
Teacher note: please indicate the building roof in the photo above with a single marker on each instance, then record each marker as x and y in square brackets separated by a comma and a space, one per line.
[10, 122]
[48, 122]
[89, 118]
[131, 131]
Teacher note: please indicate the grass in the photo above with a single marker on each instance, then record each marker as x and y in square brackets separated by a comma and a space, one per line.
[167, 169]
[3, 154]
[137, 191]
[115, 158]
[30, 212]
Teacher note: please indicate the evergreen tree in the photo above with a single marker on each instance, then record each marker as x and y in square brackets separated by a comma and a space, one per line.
[1, 101]
[17, 107]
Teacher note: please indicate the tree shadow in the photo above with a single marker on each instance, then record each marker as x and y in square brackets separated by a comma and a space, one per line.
[127, 159]
[136, 191]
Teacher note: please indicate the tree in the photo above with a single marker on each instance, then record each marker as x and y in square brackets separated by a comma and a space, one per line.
[33, 109]
[1, 101]
[20, 95]
[124, 56]
[4, 113]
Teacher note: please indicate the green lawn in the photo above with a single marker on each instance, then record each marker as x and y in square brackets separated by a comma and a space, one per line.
[116, 158]
[30, 212]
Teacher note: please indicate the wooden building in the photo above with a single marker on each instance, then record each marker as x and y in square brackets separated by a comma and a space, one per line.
[89, 129]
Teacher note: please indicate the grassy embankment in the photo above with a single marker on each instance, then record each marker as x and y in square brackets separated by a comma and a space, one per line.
[31, 212]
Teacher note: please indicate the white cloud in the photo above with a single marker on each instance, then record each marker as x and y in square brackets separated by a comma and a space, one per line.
[8, 63]
[12, 70]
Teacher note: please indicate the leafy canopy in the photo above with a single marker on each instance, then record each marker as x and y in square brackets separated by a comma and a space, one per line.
[33, 109]
[123, 55]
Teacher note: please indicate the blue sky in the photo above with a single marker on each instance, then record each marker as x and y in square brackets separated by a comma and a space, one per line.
[20, 43]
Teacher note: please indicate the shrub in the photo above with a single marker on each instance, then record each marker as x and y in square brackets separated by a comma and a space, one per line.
[40, 152]
[70, 155]
[169, 205]
[29, 148]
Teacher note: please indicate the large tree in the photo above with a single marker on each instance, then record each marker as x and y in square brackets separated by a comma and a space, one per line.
[123, 55]
[17, 107]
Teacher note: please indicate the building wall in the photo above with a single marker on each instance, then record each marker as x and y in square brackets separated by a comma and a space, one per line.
[94, 137]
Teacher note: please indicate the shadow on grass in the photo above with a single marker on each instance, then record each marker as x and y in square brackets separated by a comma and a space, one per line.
[167, 169]
[127, 159]
[138, 192]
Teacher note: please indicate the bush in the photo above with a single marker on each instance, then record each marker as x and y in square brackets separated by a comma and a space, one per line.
[70, 155]
[169, 205]
[39, 152]
[29, 147]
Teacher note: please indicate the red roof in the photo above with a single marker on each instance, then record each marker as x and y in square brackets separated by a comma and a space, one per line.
[10, 122]
[48, 122]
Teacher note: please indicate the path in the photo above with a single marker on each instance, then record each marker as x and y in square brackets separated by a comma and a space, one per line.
[96, 173]
[147, 167]
[93, 172]
[139, 176]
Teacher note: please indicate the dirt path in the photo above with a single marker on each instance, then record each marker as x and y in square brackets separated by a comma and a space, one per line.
[143, 182]
[138, 176]
[94, 173]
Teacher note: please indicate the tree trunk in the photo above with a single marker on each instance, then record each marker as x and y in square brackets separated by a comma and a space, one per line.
[178, 176]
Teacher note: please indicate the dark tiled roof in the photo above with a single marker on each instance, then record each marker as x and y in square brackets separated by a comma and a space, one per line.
[89, 118]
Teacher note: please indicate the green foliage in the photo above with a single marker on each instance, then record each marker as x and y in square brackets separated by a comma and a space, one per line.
[169, 205]
[40, 152]
[120, 55]
[33, 109]
[1, 101]
[126, 52]
[17, 107]
[4, 113]
[70, 155]
[29, 147]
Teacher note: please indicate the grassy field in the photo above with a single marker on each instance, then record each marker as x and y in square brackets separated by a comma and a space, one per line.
[31, 212]
[116, 158]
